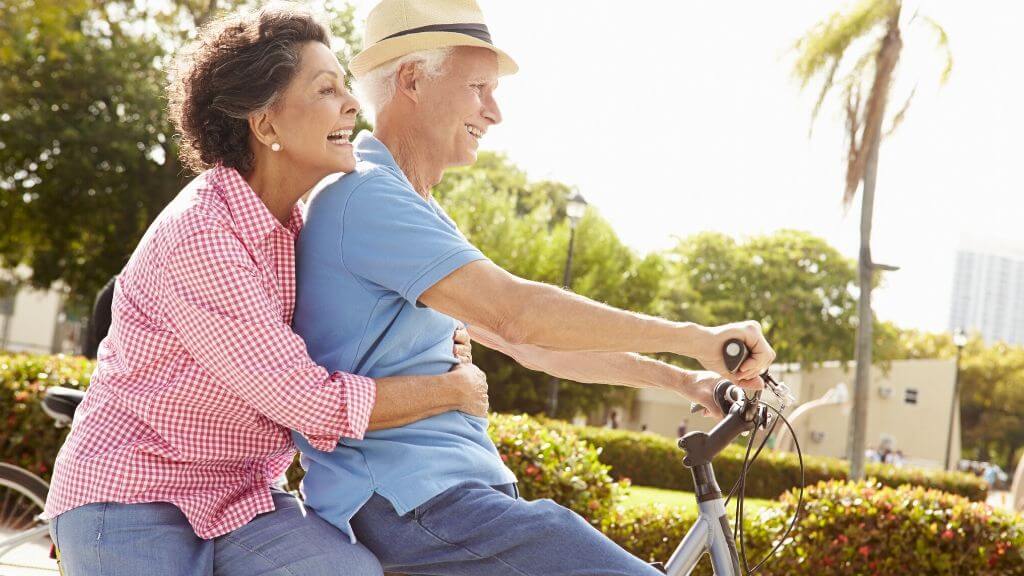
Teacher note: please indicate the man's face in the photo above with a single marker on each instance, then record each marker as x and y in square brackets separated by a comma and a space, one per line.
[458, 107]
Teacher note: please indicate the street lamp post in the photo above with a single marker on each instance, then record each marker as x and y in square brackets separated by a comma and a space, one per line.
[959, 340]
[574, 209]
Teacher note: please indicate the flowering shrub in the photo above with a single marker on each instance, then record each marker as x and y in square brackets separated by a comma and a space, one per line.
[28, 437]
[554, 463]
[866, 528]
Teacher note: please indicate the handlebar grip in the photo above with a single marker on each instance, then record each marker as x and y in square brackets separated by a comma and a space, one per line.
[734, 352]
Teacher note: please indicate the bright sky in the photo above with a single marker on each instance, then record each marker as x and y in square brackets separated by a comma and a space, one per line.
[683, 116]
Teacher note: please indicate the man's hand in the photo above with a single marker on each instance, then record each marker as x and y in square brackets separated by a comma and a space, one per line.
[471, 384]
[708, 351]
[699, 387]
[463, 347]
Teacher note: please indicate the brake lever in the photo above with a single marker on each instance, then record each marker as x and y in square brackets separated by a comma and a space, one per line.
[780, 390]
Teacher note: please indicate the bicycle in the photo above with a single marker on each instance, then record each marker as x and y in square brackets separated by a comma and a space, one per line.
[710, 533]
[23, 494]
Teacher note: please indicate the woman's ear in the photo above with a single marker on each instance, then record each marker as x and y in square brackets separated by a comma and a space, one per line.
[263, 129]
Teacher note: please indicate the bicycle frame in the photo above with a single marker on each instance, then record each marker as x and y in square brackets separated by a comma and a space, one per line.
[710, 533]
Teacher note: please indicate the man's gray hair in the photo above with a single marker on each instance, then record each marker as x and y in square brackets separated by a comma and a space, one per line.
[377, 87]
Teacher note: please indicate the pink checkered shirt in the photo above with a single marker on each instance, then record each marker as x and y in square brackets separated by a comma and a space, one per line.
[201, 377]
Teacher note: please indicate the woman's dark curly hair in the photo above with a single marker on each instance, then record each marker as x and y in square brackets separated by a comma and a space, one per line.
[239, 64]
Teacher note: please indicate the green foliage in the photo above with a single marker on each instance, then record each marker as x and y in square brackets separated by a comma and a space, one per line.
[865, 528]
[651, 460]
[552, 462]
[796, 284]
[88, 155]
[521, 225]
[27, 435]
[850, 528]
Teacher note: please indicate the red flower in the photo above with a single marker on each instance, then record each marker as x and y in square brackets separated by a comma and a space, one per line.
[948, 535]
[864, 551]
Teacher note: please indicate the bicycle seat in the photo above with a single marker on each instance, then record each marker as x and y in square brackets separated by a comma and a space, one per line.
[60, 403]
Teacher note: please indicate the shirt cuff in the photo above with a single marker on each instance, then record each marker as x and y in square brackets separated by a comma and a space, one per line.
[358, 395]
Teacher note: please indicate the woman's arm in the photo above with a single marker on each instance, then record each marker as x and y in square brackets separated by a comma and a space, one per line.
[402, 400]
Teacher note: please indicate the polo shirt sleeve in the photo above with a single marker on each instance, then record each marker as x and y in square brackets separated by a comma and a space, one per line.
[395, 239]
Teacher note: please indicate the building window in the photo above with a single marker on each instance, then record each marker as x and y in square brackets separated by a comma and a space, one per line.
[910, 396]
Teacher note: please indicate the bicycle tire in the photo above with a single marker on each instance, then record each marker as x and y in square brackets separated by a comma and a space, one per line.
[29, 500]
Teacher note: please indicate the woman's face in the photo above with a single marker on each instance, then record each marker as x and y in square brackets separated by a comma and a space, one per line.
[314, 117]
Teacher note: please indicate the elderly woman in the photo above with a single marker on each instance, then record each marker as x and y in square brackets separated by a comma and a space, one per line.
[384, 276]
[170, 465]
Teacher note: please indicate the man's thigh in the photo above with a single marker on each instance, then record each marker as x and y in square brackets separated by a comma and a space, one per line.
[291, 540]
[474, 529]
[110, 539]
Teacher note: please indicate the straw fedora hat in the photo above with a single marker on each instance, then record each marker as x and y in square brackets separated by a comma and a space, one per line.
[395, 28]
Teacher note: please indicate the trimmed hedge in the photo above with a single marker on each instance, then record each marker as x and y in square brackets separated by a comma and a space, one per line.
[851, 529]
[656, 461]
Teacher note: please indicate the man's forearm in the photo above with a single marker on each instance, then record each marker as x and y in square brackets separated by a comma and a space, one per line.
[588, 325]
[614, 368]
[402, 400]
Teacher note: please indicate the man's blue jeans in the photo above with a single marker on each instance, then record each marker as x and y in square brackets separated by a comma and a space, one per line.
[155, 539]
[477, 530]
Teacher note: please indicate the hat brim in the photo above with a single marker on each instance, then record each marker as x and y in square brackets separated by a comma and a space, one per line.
[387, 50]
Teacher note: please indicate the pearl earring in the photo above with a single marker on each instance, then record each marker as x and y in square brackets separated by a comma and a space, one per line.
[275, 147]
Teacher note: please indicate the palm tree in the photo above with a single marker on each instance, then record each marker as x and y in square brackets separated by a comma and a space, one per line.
[856, 52]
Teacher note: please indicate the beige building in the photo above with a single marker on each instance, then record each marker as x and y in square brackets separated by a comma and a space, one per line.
[909, 410]
[33, 321]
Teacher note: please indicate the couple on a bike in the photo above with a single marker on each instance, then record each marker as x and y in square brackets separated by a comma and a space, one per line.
[235, 338]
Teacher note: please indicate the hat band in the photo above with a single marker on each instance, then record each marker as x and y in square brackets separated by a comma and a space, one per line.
[478, 31]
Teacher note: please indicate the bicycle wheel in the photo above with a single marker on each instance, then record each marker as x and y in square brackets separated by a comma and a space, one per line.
[24, 538]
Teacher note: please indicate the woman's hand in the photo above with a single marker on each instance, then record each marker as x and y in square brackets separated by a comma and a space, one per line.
[463, 346]
[470, 384]
[708, 351]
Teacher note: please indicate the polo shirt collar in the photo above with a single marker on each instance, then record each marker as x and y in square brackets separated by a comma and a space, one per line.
[368, 148]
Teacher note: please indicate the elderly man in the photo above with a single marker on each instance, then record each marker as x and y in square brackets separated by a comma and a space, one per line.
[384, 276]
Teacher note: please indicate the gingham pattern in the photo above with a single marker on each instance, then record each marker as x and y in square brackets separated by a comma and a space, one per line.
[201, 377]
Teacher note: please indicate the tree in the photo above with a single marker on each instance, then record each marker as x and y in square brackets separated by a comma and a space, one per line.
[796, 284]
[87, 155]
[873, 29]
[521, 225]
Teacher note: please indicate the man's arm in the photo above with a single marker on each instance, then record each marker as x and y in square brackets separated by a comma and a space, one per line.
[614, 368]
[520, 311]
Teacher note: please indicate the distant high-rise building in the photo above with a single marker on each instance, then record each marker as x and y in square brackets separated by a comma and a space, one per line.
[988, 290]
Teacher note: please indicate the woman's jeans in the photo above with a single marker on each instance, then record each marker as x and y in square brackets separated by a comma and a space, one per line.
[155, 539]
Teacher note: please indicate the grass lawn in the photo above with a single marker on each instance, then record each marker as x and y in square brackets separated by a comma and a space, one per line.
[643, 495]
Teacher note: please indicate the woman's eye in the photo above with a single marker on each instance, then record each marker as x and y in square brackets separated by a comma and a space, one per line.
[327, 90]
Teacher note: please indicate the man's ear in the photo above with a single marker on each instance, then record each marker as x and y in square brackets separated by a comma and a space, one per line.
[262, 128]
[408, 80]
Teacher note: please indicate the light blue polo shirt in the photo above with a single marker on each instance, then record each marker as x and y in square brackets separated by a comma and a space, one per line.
[370, 247]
